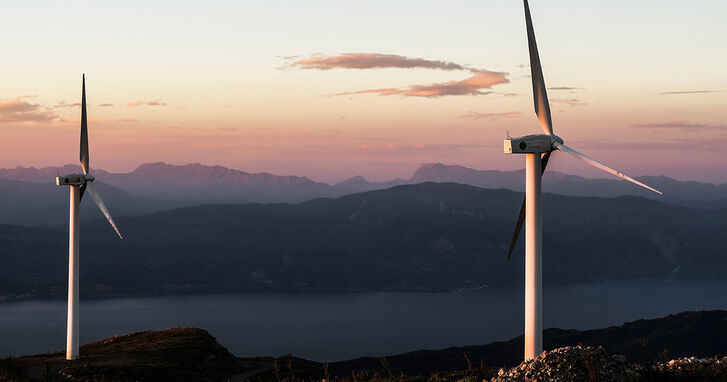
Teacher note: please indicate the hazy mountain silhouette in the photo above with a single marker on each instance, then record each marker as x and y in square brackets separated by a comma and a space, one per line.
[30, 196]
[216, 184]
[194, 184]
[360, 184]
[43, 174]
[688, 193]
[28, 203]
[430, 236]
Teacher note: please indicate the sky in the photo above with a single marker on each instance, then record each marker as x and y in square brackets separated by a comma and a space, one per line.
[334, 89]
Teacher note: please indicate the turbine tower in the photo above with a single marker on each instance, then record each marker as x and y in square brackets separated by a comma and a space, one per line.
[79, 184]
[537, 149]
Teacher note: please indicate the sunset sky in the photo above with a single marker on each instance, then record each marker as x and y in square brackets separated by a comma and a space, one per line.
[334, 89]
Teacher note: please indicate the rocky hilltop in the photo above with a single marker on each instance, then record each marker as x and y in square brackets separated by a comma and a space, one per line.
[183, 354]
[189, 354]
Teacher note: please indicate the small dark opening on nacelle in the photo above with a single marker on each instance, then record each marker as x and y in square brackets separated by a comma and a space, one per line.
[66, 180]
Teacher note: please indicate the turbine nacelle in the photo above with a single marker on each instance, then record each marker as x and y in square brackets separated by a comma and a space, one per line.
[532, 144]
[74, 180]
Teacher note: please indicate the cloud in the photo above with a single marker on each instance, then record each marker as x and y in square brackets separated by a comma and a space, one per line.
[151, 103]
[371, 61]
[689, 92]
[482, 79]
[489, 116]
[106, 105]
[63, 104]
[569, 101]
[677, 125]
[474, 85]
[17, 110]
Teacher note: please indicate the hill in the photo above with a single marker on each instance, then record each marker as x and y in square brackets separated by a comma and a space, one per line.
[430, 236]
[184, 354]
[190, 354]
[698, 334]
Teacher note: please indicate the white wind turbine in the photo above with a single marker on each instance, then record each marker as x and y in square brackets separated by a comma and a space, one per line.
[537, 149]
[79, 183]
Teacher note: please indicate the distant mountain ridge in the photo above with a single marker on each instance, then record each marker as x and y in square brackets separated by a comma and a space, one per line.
[217, 184]
[689, 193]
[423, 237]
[225, 184]
[30, 196]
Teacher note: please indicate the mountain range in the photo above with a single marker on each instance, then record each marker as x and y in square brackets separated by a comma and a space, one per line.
[429, 236]
[31, 198]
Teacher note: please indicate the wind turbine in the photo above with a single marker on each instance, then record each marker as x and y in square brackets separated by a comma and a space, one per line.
[78, 183]
[537, 149]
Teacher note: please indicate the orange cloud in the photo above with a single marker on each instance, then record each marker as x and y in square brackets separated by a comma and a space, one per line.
[482, 79]
[17, 110]
[371, 61]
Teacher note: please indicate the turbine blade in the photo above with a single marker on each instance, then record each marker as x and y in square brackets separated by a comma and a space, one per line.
[521, 216]
[97, 198]
[84, 129]
[82, 189]
[540, 96]
[602, 166]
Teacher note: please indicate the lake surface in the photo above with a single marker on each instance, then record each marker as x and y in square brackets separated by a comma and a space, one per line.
[330, 327]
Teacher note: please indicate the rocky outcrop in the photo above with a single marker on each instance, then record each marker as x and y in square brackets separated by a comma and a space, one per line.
[569, 364]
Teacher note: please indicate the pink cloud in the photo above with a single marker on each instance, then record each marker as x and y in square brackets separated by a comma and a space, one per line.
[482, 79]
[678, 125]
[17, 110]
[371, 61]
[135, 103]
[489, 116]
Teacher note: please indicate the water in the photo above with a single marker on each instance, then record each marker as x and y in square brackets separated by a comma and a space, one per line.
[329, 327]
